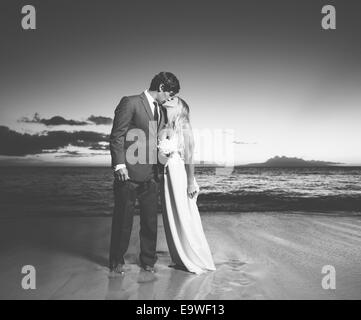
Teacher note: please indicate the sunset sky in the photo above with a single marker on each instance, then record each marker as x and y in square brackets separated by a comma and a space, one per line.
[265, 70]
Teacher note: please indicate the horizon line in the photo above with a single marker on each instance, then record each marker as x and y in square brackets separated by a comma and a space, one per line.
[250, 165]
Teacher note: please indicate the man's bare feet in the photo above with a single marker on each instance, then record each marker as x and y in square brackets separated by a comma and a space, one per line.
[119, 269]
[149, 269]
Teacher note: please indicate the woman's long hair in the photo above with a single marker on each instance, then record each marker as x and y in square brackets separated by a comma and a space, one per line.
[178, 125]
[182, 117]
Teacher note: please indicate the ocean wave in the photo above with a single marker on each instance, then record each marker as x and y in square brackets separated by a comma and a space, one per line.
[88, 191]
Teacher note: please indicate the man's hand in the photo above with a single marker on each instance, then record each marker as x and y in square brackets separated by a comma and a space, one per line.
[121, 174]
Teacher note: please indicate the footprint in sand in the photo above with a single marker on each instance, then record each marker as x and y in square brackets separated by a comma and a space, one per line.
[235, 264]
[232, 264]
[231, 277]
[240, 282]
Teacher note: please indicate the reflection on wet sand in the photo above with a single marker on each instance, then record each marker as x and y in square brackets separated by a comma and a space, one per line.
[172, 284]
[257, 256]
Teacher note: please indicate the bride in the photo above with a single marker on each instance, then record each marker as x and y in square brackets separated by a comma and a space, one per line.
[188, 246]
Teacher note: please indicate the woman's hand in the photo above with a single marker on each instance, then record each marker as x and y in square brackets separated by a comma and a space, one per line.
[192, 190]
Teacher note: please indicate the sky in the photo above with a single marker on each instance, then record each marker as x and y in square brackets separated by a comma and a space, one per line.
[263, 72]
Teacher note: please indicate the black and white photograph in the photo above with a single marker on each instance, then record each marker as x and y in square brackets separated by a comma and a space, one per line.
[185, 150]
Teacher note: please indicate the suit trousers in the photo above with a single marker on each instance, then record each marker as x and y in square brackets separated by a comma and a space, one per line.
[125, 194]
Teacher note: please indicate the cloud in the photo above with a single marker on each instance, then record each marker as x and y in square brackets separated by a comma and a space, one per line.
[100, 120]
[13, 143]
[99, 146]
[54, 121]
[58, 120]
[242, 142]
[70, 154]
[231, 133]
[77, 154]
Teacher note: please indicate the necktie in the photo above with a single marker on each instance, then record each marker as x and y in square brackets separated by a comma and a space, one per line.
[156, 115]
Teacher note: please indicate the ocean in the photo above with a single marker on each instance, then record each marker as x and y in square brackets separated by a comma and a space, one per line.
[87, 191]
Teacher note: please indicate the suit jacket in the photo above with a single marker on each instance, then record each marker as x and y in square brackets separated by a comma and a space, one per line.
[134, 137]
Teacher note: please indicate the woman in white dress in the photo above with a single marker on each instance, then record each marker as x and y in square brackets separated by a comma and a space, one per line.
[188, 246]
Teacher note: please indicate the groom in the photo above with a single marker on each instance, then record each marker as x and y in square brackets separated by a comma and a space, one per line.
[134, 178]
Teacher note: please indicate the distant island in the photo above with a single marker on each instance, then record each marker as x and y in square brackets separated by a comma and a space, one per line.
[277, 162]
[291, 162]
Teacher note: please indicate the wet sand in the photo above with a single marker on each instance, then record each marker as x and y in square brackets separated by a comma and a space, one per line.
[257, 256]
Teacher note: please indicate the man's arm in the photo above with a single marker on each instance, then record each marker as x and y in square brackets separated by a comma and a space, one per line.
[122, 118]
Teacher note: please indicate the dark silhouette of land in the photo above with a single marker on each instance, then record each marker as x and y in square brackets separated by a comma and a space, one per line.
[292, 162]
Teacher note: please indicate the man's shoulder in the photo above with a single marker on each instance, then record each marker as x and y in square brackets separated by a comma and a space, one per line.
[135, 97]
[130, 100]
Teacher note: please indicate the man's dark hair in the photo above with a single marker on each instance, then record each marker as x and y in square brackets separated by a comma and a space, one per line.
[168, 79]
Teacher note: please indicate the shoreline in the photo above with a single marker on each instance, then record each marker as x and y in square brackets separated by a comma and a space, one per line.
[203, 213]
[258, 256]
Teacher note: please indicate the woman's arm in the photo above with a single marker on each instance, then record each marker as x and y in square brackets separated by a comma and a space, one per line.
[188, 158]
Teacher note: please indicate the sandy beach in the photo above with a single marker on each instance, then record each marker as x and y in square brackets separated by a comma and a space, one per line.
[258, 256]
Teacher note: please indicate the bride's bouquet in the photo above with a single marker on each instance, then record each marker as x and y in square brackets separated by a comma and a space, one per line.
[167, 146]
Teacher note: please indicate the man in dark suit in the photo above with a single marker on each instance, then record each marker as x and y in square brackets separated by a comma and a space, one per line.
[137, 171]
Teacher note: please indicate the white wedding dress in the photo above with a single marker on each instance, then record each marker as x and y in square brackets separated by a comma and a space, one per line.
[188, 246]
